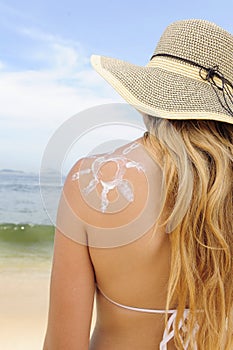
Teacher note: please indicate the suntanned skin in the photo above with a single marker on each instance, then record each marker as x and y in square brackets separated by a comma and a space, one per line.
[134, 274]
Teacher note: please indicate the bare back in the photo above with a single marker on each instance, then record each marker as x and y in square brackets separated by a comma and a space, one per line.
[130, 257]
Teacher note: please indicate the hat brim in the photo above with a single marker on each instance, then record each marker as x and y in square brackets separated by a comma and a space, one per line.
[161, 93]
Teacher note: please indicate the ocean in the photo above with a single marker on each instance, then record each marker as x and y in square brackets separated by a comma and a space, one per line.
[26, 231]
[20, 198]
[26, 254]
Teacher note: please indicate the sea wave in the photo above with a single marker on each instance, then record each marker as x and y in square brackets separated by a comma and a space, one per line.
[20, 199]
[26, 234]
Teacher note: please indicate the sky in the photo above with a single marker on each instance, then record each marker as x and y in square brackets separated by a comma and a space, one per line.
[45, 47]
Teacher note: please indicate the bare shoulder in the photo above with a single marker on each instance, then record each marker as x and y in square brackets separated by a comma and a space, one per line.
[113, 188]
[104, 179]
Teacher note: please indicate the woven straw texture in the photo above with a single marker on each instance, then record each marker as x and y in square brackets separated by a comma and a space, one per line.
[175, 92]
[199, 41]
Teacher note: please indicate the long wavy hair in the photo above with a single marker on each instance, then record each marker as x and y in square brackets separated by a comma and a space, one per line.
[196, 157]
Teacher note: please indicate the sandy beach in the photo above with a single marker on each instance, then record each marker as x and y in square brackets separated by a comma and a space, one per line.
[24, 299]
[24, 305]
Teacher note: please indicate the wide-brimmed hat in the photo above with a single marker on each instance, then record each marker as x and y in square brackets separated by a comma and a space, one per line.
[190, 75]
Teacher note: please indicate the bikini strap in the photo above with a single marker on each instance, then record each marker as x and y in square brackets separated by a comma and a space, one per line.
[155, 311]
[169, 330]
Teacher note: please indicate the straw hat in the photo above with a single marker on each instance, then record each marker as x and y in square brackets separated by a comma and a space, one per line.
[190, 75]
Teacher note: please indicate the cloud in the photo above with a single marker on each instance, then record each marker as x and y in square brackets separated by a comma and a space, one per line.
[8, 11]
[2, 65]
[56, 48]
[51, 94]
[36, 101]
[44, 97]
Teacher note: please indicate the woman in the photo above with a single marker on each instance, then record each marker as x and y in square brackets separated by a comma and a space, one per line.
[149, 226]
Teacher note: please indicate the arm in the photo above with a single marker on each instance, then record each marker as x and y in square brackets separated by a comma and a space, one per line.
[72, 283]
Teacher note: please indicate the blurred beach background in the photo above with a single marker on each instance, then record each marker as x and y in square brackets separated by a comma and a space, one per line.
[25, 261]
[45, 79]
[26, 241]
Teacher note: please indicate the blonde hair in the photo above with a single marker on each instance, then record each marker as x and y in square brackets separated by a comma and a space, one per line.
[197, 207]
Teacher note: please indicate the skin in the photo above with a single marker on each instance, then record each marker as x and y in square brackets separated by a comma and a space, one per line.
[134, 274]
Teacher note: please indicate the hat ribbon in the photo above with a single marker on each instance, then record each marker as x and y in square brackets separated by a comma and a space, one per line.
[210, 74]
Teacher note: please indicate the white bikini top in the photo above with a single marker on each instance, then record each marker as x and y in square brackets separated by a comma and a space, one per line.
[168, 333]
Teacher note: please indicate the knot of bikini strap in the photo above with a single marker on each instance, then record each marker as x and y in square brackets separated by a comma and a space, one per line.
[169, 331]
